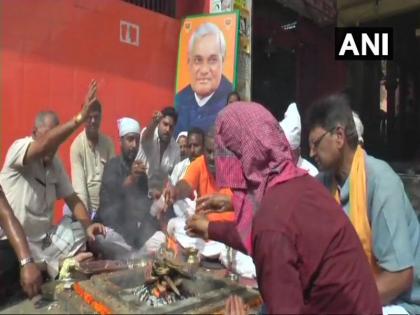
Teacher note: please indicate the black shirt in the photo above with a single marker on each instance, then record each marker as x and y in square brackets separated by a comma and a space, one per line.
[125, 209]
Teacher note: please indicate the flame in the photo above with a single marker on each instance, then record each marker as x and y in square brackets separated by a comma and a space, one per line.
[172, 245]
[156, 292]
[90, 300]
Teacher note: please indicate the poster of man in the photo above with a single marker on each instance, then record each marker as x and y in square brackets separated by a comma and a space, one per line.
[206, 71]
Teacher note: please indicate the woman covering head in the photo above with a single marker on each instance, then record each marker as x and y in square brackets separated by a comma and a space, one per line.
[252, 155]
[307, 255]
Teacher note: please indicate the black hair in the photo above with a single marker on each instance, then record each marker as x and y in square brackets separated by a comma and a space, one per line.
[211, 133]
[197, 131]
[330, 111]
[170, 112]
[231, 94]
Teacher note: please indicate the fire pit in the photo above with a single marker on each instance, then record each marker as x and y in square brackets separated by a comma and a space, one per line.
[164, 286]
[170, 289]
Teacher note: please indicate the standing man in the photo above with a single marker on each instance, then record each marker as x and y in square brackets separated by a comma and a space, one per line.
[89, 152]
[33, 178]
[199, 103]
[158, 151]
[15, 253]
[124, 203]
[373, 197]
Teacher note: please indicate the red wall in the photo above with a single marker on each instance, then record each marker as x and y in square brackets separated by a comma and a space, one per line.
[190, 7]
[51, 49]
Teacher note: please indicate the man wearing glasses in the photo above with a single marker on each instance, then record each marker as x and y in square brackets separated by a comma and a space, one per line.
[373, 197]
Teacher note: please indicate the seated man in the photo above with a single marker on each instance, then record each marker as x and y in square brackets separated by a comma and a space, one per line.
[373, 197]
[33, 178]
[183, 144]
[291, 126]
[200, 177]
[158, 149]
[15, 253]
[124, 203]
[89, 153]
[195, 142]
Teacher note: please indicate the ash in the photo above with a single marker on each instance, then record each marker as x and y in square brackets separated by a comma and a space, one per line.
[146, 294]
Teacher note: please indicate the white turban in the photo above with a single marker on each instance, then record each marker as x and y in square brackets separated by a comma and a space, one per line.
[128, 125]
[359, 127]
[291, 126]
[182, 134]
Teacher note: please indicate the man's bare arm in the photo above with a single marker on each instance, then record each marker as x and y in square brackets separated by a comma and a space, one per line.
[13, 229]
[30, 276]
[393, 284]
[78, 208]
[147, 135]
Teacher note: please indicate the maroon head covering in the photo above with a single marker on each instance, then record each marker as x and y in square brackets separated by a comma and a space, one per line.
[252, 155]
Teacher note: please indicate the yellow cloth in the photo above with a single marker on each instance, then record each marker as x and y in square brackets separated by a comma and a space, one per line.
[358, 212]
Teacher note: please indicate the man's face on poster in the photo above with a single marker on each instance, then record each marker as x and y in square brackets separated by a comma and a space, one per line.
[206, 65]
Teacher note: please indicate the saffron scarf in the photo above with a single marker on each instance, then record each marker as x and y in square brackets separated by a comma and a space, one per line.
[358, 210]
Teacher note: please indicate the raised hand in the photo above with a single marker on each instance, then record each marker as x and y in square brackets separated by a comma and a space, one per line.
[90, 99]
[157, 116]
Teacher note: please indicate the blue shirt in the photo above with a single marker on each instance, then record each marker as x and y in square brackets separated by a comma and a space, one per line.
[395, 227]
[191, 115]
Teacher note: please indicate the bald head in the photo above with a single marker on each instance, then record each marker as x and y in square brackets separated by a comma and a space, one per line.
[44, 122]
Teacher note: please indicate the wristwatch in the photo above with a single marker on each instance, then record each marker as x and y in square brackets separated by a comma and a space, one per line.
[26, 261]
[78, 118]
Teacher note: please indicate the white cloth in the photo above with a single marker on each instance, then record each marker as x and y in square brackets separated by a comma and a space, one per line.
[128, 125]
[32, 189]
[359, 126]
[185, 207]
[307, 166]
[291, 126]
[179, 171]
[210, 249]
[242, 264]
[149, 154]
[394, 310]
[202, 101]
[182, 134]
[114, 246]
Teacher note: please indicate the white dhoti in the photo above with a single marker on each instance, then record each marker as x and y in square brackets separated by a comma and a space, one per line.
[62, 241]
[242, 264]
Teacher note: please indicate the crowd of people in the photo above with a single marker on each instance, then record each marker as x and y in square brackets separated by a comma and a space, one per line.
[344, 239]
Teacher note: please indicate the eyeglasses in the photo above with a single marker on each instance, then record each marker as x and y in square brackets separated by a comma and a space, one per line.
[317, 142]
